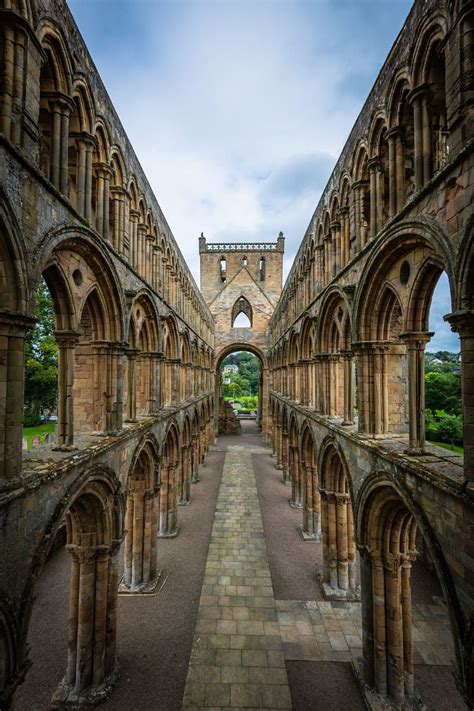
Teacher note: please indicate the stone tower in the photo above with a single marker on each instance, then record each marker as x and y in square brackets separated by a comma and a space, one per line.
[243, 278]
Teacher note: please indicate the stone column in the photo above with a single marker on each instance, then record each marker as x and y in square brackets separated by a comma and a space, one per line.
[195, 459]
[348, 359]
[311, 529]
[12, 373]
[295, 477]
[185, 493]
[134, 217]
[103, 173]
[416, 343]
[367, 616]
[285, 457]
[92, 625]
[168, 502]
[66, 341]
[462, 322]
[131, 385]
[422, 135]
[86, 145]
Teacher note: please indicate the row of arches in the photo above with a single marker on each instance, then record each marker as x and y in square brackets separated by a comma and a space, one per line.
[81, 154]
[400, 146]
[121, 356]
[371, 536]
[113, 522]
[369, 341]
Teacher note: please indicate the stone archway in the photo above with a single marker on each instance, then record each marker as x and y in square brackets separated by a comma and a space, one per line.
[263, 419]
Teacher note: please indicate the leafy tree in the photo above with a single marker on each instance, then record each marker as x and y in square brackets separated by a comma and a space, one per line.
[41, 360]
[450, 429]
[443, 391]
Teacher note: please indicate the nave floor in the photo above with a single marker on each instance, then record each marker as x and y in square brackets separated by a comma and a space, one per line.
[240, 606]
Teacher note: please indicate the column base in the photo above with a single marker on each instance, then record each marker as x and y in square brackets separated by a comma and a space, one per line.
[330, 593]
[295, 505]
[347, 423]
[195, 480]
[184, 503]
[143, 589]
[169, 534]
[279, 467]
[375, 701]
[66, 697]
[415, 452]
[65, 448]
[310, 537]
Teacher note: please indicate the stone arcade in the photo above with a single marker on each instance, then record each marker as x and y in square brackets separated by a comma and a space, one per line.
[341, 350]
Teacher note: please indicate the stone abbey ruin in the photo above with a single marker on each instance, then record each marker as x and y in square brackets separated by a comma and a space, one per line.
[341, 346]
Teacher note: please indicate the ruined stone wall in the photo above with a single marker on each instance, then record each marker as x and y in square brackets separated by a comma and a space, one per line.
[135, 339]
[349, 333]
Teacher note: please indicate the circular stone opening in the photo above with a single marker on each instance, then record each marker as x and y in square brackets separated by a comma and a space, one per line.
[77, 277]
[404, 272]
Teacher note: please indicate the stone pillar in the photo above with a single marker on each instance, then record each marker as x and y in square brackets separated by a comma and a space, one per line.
[140, 555]
[396, 171]
[338, 575]
[90, 672]
[285, 457]
[422, 136]
[60, 107]
[295, 477]
[194, 459]
[103, 173]
[131, 385]
[66, 341]
[367, 617]
[86, 144]
[134, 217]
[416, 343]
[185, 488]
[348, 359]
[311, 529]
[12, 373]
[168, 527]
[462, 322]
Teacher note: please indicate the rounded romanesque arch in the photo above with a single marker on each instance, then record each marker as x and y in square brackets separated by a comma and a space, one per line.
[339, 574]
[335, 357]
[169, 466]
[89, 310]
[390, 327]
[93, 512]
[311, 498]
[141, 519]
[141, 382]
[387, 523]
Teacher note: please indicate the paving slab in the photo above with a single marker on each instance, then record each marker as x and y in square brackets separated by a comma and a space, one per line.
[237, 614]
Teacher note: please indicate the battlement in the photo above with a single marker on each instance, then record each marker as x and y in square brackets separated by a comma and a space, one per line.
[278, 246]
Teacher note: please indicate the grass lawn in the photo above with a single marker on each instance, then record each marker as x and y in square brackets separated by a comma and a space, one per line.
[40, 430]
[454, 448]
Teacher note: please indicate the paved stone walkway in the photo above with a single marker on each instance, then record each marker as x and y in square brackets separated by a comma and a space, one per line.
[237, 659]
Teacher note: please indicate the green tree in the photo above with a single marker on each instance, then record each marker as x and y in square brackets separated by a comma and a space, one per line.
[450, 429]
[443, 391]
[41, 360]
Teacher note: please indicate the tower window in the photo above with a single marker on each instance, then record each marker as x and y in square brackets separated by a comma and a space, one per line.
[244, 261]
[223, 268]
[261, 268]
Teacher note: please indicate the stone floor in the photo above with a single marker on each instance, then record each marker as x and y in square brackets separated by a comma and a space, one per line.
[237, 658]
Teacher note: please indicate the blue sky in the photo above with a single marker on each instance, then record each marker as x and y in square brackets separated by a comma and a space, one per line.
[238, 109]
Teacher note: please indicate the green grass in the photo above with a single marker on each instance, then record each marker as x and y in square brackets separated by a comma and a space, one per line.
[40, 430]
[444, 445]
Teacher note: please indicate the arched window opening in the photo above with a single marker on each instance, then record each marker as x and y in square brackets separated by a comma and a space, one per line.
[244, 261]
[262, 268]
[223, 268]
[242, 314]
[41, 374]
[442, 376]
[436, 80]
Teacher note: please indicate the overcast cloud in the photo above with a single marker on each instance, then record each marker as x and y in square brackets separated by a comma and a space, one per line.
[238, 110]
